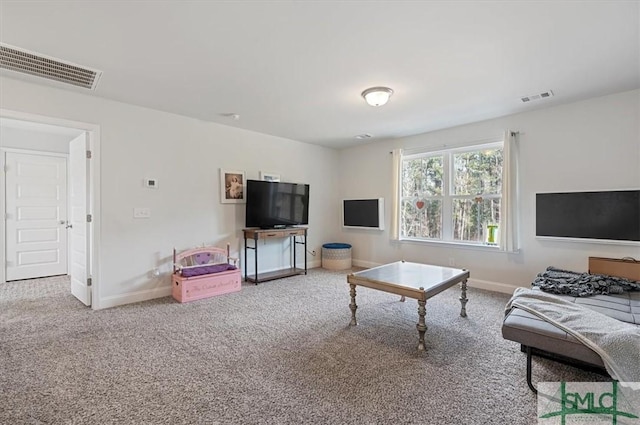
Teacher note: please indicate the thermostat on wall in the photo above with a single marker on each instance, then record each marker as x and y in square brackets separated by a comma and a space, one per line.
[151, 183]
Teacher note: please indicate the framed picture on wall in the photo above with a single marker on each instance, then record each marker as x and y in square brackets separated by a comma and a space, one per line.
[269, 176]
[232, 187]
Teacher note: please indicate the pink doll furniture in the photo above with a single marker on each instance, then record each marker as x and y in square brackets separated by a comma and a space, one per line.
[204, 272]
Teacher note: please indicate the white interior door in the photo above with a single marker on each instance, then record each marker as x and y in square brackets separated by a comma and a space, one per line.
[80, 225]
[36, 215]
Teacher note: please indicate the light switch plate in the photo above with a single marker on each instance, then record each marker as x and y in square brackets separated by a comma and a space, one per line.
[140, 212]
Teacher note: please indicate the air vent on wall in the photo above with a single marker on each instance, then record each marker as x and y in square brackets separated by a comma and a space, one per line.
[538, 96]
[26, 62]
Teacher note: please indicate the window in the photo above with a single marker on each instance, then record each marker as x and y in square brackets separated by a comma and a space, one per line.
[452, 195]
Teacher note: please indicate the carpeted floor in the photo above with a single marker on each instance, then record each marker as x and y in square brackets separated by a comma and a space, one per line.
[277, 353]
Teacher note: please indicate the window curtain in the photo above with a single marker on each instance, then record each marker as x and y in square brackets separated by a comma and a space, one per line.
[509, 209]
[395, 207]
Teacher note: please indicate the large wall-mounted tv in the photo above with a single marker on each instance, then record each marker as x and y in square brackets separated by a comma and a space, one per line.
[363, 213]
[607, 215]
[276, 204]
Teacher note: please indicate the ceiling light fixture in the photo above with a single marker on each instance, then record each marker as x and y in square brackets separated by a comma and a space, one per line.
[377, 96]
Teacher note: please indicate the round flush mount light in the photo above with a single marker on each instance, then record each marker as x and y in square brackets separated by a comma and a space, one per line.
[377, 96]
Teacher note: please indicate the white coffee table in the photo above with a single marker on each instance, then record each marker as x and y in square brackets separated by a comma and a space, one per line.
[413, 280]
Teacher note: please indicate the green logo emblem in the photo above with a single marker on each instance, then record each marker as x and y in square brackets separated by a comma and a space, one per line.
[587, 402]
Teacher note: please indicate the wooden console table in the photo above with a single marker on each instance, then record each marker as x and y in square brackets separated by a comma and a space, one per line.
[258, 234]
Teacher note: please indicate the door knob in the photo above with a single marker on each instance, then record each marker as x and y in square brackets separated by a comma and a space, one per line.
[69, 226]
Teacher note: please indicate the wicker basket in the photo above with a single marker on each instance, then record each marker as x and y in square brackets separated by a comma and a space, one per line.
[336, 256]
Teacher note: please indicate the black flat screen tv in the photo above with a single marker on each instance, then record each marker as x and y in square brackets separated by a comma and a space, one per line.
[606, 215]
[276, 204]
[363, 213]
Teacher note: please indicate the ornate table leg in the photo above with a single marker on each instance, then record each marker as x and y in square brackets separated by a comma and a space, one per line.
[421, 326]
[353, 305]
[463, 298]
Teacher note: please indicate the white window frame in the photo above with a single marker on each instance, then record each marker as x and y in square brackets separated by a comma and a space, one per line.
[447, 196]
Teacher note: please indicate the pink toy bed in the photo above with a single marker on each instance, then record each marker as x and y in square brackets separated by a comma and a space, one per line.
[204, 272]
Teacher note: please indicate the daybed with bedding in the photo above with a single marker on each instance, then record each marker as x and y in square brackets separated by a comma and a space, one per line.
[204, 272]
[600, 331]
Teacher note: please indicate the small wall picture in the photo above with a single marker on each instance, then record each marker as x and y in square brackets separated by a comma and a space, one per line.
[232, 184]
[269, 176]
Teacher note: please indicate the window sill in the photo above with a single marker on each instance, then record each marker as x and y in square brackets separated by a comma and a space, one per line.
[461, 245]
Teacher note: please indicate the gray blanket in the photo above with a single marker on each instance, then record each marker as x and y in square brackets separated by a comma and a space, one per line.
[565, 282]
[618, 343]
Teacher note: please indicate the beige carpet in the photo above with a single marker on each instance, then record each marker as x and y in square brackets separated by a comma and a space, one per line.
[277, 353]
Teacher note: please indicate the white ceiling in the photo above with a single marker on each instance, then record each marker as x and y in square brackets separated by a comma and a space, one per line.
[296, 69]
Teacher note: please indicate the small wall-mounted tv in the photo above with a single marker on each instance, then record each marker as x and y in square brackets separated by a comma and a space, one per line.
[363, 213]
[605, 215]
[276, 204]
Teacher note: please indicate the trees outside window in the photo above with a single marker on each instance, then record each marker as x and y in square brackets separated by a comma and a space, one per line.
[452, 195]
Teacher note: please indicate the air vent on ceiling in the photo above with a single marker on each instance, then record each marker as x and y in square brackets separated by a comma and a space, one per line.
[538, 96]
[363, 136]
[26, 62]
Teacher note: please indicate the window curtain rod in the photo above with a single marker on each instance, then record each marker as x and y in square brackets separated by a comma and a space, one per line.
[443, 146]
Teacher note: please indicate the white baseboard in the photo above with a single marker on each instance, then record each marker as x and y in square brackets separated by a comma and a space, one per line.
[134, 297]
[366, 264]
[491, 286]
[150, 294]
[314, 264]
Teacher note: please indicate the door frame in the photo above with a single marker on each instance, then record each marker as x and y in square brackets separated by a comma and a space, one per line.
[93, 208]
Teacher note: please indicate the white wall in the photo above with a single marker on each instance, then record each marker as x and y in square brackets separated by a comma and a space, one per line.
[589, 145]
[185, 156]
[19, 138]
